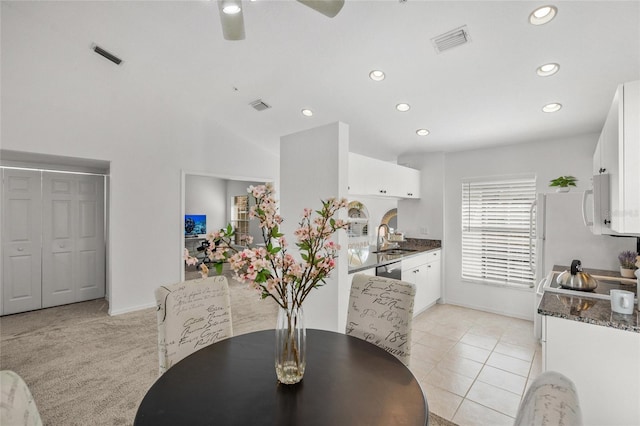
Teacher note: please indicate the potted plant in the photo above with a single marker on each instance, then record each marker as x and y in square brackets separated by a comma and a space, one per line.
[563, 183]
[627, 263]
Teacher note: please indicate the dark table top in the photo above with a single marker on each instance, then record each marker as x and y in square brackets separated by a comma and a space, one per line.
[347, 381]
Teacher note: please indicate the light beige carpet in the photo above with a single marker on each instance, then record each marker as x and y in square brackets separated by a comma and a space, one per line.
[87, 368]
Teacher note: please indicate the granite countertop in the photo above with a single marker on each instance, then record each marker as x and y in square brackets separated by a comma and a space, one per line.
[364, 258]
[587, 309]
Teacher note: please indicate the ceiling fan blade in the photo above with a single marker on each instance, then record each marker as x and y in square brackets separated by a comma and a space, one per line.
[232, 24]
[329, 8]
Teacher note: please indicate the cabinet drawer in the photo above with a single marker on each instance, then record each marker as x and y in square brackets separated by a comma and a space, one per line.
[414, 261]
[420, 259]
[432, 256]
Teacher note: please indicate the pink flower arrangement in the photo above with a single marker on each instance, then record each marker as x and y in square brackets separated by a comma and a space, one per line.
[270, 269]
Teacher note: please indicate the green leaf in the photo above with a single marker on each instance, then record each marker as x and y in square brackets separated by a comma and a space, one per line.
[218, 267]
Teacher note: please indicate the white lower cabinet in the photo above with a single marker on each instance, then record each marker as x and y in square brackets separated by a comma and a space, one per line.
[604, 364]
[424, 272]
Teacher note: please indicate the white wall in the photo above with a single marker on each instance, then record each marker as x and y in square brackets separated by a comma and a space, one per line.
[207, 195]
[425, 214]
[81, 107]
[548, 160]
[314, 166]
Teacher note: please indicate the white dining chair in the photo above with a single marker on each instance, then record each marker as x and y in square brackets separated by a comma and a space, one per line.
[381, 312]
[551, 399]
[191, 315]
[17, 407]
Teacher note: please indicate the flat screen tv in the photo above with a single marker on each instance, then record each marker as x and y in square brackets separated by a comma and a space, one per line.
[195, 224]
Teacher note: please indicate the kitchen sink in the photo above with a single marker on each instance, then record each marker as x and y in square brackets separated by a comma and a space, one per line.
[395, 251]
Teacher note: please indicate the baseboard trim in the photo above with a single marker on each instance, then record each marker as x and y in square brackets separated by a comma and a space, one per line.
[485, 309]
[114, 312]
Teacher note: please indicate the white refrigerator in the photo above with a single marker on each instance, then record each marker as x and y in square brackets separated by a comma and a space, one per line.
[561, 235]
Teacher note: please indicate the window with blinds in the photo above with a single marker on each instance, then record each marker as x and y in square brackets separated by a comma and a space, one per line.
[496, 230]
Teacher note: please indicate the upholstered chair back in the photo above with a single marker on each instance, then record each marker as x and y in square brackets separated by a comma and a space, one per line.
[191, 315]
[381, 312]
[17, 407]
[551, 399]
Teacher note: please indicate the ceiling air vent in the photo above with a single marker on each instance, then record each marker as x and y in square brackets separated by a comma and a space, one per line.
[259, 105]
[108, 55]
[451, 39]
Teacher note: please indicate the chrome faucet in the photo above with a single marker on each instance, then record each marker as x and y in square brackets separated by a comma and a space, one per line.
[380, 241]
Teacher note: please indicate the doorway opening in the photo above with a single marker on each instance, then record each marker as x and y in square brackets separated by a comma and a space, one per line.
[54, 231]
[221, 200]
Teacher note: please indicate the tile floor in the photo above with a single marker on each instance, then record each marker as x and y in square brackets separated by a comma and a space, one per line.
[473, 366]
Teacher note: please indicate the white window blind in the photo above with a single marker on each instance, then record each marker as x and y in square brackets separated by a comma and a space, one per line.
[496, 227]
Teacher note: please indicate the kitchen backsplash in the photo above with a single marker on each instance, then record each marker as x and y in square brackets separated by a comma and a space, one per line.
[421, 242]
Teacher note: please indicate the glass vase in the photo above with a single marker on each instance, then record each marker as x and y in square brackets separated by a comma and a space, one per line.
[290, 345]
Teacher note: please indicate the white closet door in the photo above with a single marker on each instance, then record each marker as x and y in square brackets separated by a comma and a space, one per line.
[21, 240]
[73, 257]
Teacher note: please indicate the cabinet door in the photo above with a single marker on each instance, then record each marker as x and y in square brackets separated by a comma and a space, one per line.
[410, 182]
[357, 174]
[603, 364]
[629, 161]
[384, 179]
[597, 158]
[418, 277]
[609, 157]
[434, 282]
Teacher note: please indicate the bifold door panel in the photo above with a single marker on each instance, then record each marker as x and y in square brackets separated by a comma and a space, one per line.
[21, 240]
[73, 238]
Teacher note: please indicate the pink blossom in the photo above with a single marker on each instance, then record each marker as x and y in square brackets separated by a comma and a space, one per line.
[204, 271]
[285, 275]
[189, 259]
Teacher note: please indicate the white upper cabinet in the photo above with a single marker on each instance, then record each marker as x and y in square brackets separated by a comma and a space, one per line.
[618, 155]
[369, 176]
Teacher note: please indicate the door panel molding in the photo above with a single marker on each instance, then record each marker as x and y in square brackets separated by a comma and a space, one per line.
[21, 241]
[74, 206]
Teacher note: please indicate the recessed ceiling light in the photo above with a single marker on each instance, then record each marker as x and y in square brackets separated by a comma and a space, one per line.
[542, 15]
[403, 107]
[231, 8]
[553, 107]
[376, 75]
[422, 132]
[307, 112]
[547, 69]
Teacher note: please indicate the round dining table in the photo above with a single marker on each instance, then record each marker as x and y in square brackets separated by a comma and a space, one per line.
[347, 381]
